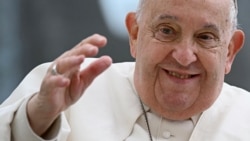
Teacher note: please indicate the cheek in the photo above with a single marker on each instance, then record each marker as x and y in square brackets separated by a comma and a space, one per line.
[224, 64]
[214, 64]
[148, 48]
[148, 57]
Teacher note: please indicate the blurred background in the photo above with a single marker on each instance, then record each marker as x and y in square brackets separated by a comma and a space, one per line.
[33, 32]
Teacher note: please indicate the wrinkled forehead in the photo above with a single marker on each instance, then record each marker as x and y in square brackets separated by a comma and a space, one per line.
[197, 12]
[144, 4]
[213, 8]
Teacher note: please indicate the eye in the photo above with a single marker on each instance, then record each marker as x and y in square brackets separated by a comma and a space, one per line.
[206, 37]
[165, 33]
[208, 40]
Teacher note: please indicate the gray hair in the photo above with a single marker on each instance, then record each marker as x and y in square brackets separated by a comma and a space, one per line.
[139, 9]
[233, 13]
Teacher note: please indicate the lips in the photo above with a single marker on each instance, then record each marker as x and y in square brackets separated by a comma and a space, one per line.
[180, 76]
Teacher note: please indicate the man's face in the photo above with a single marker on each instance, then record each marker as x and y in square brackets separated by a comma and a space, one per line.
[182, 49]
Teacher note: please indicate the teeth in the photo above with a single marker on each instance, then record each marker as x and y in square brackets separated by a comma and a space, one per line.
[181, 76]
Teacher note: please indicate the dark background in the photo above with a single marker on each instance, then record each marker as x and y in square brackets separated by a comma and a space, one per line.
[33, 32]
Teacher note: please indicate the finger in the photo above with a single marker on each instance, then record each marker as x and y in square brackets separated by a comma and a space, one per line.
[87, 50]
[68, 65]
[94, 69]
[88, 47]
[96, 40]
[50, 84]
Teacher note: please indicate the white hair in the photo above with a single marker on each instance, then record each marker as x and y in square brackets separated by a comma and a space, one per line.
[140, 7]
[234, 14]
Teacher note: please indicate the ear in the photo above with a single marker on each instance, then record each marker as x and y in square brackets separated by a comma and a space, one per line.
[132, 27]
[235, 45]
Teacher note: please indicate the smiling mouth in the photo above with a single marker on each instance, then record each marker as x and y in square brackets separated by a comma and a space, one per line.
[180, 76]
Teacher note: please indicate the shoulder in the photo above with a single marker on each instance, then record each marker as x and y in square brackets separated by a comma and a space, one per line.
[235, 97]
[233, 91]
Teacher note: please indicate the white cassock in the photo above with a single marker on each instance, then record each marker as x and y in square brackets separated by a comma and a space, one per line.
[110, 110]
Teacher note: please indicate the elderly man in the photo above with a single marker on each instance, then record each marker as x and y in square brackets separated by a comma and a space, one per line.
[174, 91]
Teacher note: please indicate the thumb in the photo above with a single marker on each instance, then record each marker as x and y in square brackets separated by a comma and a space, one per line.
[94, 69]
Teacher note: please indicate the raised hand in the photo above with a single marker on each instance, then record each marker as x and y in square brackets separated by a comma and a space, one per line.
[65, 83]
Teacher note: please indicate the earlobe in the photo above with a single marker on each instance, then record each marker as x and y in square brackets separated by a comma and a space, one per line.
[132, 28]
[235, 45]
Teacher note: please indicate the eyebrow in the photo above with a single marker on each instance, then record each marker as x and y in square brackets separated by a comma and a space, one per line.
[171, 17]
[167, 16]
[211, 26]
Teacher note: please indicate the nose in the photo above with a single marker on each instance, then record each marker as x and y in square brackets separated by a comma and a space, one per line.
[184, 54]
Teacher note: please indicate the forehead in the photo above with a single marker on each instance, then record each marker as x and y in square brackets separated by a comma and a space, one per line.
[217, 11]
[217, 4]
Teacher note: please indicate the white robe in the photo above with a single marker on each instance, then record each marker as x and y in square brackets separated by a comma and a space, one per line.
[109, 108]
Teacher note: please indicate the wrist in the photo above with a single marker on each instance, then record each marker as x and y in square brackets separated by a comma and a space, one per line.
[39, 116]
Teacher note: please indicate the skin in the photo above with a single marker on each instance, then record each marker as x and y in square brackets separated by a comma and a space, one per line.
[58, 92]
[182, 57]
